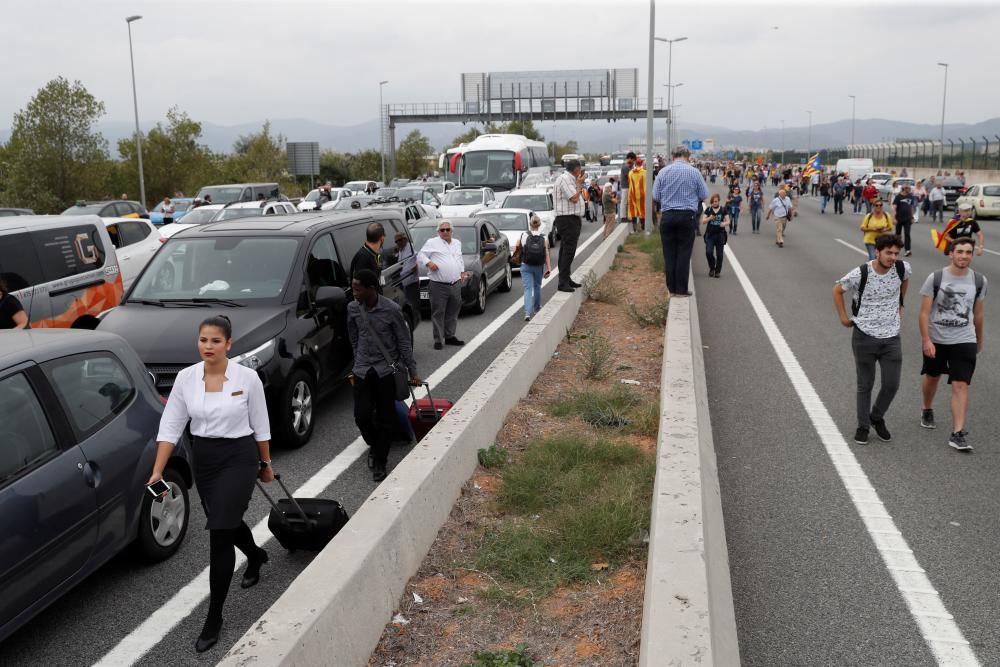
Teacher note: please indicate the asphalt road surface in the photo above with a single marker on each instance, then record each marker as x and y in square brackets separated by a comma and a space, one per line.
[810, 586]
[129, 613]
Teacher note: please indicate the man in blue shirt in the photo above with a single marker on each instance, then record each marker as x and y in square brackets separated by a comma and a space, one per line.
[679, 190]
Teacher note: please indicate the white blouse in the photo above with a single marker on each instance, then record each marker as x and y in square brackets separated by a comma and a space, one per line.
[238, 410]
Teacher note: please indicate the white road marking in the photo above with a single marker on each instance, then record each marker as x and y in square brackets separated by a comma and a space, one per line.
[942, 635]
[992, 252]
[851, 246]
[152, 631]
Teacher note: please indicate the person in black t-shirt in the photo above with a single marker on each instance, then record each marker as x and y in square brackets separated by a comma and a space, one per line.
[716, 220]
[369, 256]
[903, 206]
[968, 226]
[12, 315]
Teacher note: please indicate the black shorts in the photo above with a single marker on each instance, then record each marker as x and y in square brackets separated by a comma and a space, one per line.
[958, 361]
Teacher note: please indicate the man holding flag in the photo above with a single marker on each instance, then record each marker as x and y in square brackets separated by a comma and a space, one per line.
[960, 226]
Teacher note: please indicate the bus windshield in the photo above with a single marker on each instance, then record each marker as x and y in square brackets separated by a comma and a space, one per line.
[493, 169]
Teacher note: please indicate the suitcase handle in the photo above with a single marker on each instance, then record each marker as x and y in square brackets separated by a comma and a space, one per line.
[426, 385]
[277, 477]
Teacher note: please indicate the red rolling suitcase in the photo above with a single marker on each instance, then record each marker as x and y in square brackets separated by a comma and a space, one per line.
[426, 412]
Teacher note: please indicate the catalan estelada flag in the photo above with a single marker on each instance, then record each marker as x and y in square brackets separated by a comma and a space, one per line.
[813, 166]
[941, 239]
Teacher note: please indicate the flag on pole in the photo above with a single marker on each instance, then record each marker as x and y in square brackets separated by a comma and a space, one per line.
[813, 166]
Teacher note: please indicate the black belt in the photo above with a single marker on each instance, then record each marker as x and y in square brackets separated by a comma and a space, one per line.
[441, 282]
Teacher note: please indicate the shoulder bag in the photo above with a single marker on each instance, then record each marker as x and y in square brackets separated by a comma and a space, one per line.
[400, 374]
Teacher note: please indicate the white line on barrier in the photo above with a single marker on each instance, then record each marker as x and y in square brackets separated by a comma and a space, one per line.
[942, 635]
[150, 632]
[851, 246]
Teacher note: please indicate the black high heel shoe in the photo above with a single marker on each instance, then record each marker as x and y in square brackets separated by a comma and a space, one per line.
[252, 574]
[209, 635]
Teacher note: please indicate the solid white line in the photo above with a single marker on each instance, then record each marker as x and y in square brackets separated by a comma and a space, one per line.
[953, 651]
[852, 247]
[150, 632]
[992, 252]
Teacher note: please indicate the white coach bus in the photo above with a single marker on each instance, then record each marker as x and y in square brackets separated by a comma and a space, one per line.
[498, 161]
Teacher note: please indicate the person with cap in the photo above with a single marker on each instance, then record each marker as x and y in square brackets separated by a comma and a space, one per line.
[570, 198]
[967, 226]
[679, 190]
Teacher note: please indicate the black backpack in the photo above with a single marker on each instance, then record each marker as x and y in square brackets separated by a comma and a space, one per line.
[865, 268]
[533, 251]
[939, 276]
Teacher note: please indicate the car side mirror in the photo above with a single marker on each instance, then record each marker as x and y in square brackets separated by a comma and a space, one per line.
[489, 247]
[330, 297]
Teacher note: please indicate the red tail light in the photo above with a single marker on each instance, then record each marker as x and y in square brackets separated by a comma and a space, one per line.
[163, 240]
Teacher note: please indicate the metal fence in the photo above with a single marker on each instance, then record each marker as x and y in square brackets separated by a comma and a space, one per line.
[971, 153]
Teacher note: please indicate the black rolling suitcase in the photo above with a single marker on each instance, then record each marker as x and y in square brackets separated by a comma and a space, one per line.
[303, 523]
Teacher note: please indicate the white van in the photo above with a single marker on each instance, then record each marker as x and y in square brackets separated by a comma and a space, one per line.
[856, 167]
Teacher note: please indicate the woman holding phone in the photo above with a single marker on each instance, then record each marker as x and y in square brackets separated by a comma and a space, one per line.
[224, 403]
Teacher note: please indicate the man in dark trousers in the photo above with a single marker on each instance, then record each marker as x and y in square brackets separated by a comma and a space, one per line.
[570, 199]
[369, 256]
[680, 190]
[374, 319]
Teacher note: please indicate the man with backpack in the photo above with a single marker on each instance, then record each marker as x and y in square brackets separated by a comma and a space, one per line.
[879, 288]
[951, 329]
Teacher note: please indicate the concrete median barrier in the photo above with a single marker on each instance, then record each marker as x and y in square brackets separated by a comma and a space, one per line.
[335, 611]
[688, 616]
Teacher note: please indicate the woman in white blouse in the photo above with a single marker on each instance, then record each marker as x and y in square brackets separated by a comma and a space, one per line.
[224, 403]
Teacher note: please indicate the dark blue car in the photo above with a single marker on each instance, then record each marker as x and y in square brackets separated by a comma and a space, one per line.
[181, 206]
[78, 417]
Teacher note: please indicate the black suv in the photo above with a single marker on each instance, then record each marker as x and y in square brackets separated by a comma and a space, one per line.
[282, 281]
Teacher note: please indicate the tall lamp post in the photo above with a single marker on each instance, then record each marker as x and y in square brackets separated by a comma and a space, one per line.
[782, 142]
[809, 136]
[647, 224]
[381, 127]
[854, 100]
[670, 57]
[670, 110]
[944, 97]
[135, 104]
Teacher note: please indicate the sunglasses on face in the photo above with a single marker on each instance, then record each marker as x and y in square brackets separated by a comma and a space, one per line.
[446, 229]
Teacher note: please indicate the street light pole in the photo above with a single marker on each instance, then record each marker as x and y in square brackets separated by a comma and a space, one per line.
[135, 104]
[381, 128]
[944, 97]
[782, 142]
[854, 100]
[670, 58]
[670, 109]
[647, 223]
[809, 136]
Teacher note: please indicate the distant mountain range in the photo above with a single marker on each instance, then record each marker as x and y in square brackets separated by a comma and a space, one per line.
[590, 136]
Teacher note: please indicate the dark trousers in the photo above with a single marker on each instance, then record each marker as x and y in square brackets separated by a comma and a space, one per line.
[838, 204]
[375, 412]
[888, 354]
[677, 231]
[568, 228]
[904, 231]
[714, 250]
[222, 561]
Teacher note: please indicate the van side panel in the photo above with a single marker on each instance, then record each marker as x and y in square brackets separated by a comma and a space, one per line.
[90, 301]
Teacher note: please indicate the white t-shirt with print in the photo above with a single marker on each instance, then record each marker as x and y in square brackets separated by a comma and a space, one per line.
[951, 321]
[878, 314]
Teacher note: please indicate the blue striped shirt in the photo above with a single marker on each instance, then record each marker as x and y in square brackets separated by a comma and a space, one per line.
[679, 186]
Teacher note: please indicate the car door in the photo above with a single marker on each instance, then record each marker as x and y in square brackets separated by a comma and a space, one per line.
[48, 505]
[496, 265]
[324, 333]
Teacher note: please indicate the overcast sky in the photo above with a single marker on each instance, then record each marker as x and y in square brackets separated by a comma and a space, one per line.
[233, 62]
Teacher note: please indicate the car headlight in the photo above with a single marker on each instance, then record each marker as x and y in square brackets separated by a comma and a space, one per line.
[258, 357]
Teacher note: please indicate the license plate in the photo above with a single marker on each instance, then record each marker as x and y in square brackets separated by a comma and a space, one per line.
[425, 294]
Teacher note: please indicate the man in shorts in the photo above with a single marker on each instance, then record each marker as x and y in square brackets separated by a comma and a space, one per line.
[951, 328]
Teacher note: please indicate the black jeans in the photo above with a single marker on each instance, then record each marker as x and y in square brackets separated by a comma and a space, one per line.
[677, 231]
[888, 354]
[838, 204]
[375, 412]
[715, 244]
[222, 561]
[905, 232]
[568, 228]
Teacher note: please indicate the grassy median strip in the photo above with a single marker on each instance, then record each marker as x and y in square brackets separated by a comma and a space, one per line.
[576, 505]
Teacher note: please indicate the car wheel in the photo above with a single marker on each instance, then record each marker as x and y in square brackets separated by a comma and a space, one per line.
[480, 305]
[508, 278]
[163, 521]
[296, 418]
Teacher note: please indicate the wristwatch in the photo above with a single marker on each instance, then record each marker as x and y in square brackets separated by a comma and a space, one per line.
[265, 464]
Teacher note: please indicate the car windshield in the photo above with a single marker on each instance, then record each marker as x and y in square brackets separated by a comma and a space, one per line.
[467, 235]
[199, 216]
[991, 190]
[530, 202]
[230, 268]
[312, 196]
[221, 194]
[490, 168]
[235, 213]
[416, 194]
[179, 206]
[436, 187]
[507, 222]
[386, 192]
[87, 209]
[463, 197]
[357, 187]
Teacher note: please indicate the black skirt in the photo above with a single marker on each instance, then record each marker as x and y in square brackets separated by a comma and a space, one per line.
[224, 471]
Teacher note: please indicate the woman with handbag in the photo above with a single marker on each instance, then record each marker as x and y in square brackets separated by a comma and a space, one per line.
[383, 365]
[225, 405]
[532, 253]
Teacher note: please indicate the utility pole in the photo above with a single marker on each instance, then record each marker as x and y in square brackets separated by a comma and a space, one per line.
[944, 97]
[854, 100]
[809, 139]
[381, 127]
[135, 104]
[648, 222]
[670, 58]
